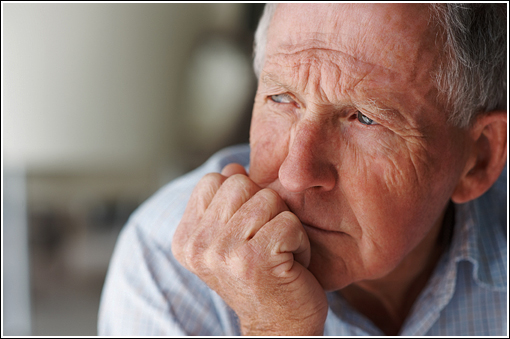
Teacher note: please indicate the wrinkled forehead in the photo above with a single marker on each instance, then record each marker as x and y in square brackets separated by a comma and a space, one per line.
[393, 36]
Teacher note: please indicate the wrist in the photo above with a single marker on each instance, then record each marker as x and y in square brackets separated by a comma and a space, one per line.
[284, 328]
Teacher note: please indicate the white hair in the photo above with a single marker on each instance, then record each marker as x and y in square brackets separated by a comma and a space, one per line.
[472, 76]
[260, 42]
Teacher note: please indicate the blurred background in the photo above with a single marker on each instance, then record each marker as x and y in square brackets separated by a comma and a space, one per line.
[103, 103]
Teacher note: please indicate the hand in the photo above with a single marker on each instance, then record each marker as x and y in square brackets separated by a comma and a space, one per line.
[245, 244]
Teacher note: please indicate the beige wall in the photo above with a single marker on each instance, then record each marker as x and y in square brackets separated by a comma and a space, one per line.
[98, 86]
[100, 108]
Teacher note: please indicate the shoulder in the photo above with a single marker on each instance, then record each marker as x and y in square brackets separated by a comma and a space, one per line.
[159, 215]
[469, 283]
[483, 226]
[147, 292]
[491, 208]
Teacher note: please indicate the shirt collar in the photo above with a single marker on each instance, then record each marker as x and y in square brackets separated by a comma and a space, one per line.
[480, 238]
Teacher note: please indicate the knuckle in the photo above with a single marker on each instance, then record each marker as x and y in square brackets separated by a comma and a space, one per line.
[270, 196]
[214, 259]
[188, 255]
[289, 219]
[192, 255]
[241, 182]
[287, 226]
[202, 258]
[243, 262]
[238, 180]
[211, 179]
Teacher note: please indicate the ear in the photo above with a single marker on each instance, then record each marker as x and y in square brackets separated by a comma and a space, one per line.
[487, 157]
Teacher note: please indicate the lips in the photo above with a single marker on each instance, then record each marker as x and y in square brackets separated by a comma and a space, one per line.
[319, 229]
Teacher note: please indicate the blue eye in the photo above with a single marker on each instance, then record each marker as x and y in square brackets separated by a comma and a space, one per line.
[282, 98]
[365, 120]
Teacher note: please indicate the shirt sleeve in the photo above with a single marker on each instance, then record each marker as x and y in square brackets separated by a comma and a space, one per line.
[133, 302]
[147, 292]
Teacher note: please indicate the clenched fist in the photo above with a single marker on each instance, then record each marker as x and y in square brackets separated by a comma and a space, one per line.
[245, 244]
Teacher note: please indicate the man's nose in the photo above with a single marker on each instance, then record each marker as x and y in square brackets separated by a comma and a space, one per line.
[307, 164]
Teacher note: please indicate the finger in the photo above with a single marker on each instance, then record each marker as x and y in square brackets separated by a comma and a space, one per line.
[232, 169]
[255, 213]
[286, 240]
[233, 193]
[293, 237]
[199, 201]
[202, 195]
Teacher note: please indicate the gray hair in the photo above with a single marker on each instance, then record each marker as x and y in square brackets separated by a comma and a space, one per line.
[259, 46]
[472, 76]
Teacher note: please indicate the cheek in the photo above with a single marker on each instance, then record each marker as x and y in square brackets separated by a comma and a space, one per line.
[269, 139]
[394, 198]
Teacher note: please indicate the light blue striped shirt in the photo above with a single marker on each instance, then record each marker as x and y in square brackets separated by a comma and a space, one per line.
[147, 292]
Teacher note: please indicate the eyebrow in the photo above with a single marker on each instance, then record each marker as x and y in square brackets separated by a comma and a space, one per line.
[369, 104]
[271, 79]
[383, 111]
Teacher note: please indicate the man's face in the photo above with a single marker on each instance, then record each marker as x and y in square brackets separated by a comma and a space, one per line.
[347, 128]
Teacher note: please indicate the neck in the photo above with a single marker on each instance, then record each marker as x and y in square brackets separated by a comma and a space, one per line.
[387, 301]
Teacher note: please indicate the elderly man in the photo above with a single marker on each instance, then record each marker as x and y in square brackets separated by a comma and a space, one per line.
[370, 204]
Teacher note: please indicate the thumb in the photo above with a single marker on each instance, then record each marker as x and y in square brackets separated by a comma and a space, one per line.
[232, 169]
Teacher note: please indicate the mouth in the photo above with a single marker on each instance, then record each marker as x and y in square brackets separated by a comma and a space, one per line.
[314, 229]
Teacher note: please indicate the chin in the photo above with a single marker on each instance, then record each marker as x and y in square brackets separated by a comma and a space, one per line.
[332, 276]
[331, 283]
